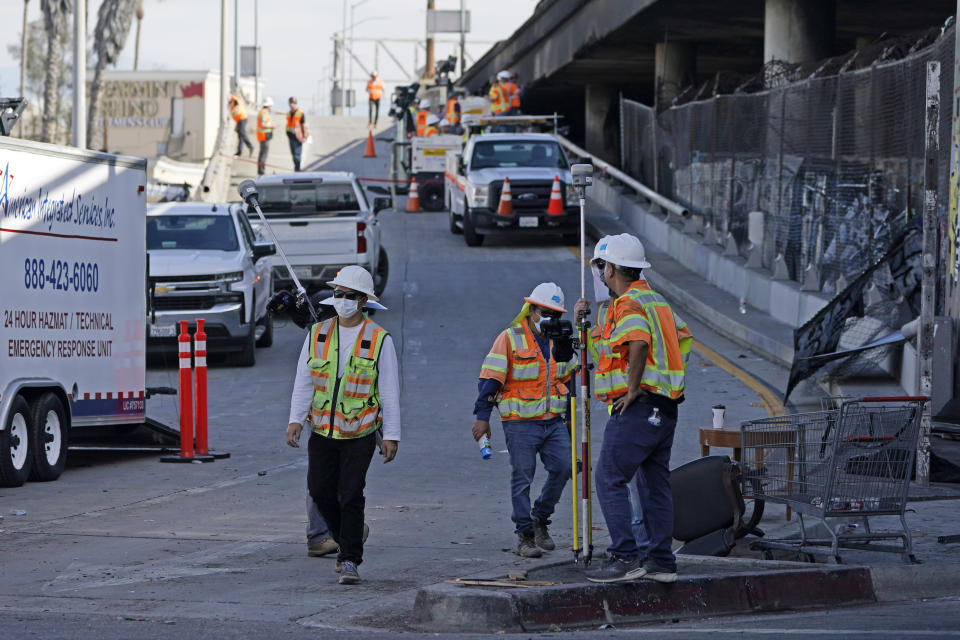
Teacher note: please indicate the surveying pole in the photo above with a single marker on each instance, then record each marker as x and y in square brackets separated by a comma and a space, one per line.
[582, 175]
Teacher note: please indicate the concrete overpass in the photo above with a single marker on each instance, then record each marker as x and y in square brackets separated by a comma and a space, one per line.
[577, 56]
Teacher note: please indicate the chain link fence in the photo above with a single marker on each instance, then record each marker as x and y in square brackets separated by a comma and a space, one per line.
[821, 172]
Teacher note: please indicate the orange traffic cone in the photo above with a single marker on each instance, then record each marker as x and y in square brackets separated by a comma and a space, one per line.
[413, 197]
[555, 208]
[370, 152]
[506, 200]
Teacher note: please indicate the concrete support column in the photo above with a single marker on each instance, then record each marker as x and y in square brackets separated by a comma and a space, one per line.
[675, 66]
[798, 30]
[600, 126]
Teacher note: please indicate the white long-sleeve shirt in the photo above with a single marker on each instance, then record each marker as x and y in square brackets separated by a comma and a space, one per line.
[388, 381]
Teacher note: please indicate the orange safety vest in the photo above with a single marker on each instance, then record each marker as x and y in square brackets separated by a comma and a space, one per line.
[513, 95]
[238, 112]
[643, 315]
[430, 131]
[375, 88]
[264, 125]
[422, 121]
[293, 120]
[532, 388]
[452, 115]
[499, 100]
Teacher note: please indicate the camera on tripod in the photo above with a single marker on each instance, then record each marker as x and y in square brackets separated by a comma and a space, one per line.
[561, 332]
[403, 97]
[447, 66]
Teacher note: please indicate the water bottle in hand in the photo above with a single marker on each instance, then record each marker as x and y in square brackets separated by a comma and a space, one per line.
[485, 452]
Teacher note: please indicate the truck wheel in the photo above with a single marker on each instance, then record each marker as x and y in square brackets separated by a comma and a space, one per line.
[48, 438]
[383, 272]
[266, 338]
[248, 356]
[454, 227]
[470, 235]
[15, 459]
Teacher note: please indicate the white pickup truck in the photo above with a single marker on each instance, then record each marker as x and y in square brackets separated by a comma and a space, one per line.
[474, 182]
[324, 222]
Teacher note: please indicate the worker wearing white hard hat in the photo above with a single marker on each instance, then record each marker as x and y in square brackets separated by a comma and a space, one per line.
[641, 357]
[374, 93]
[524, 376]
[347, 390]
[444, 126]
[264, 134]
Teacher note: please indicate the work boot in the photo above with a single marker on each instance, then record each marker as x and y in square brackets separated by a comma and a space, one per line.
[527, 547]
[541, 536]
[322, 548]
[617, 570]
[348, 573]
[658, 573]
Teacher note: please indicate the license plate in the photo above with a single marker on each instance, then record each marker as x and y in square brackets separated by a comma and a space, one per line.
[303, 272]
[163, 331]
[529, 221]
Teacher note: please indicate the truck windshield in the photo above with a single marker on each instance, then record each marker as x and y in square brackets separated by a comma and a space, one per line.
[510, 153]
[212, 233]
[316, 200]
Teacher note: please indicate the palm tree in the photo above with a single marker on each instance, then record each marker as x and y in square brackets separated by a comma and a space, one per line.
[136, 50]
[113, 25]
[55, 14]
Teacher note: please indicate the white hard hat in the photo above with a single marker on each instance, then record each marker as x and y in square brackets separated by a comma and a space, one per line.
[623, 250]
[503, 75]
[374, 73]
[444, 123]
[548, 295]
[268, 101]
[433, 119]
[356, 278]
[425, 103]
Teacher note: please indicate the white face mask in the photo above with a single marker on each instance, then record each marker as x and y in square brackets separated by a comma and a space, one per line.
[601, 292]
[345, 308]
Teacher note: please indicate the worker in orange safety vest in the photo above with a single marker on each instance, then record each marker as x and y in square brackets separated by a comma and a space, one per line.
[264, 134]
[239, 115]
[374, 93]
[422, 115]
[431, 127]
[524, 375]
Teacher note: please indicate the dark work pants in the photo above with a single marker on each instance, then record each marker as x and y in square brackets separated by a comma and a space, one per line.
[242, 138]
[262, 157]
[373, 111]
[336, 477]
[296, 148]
[633, 446]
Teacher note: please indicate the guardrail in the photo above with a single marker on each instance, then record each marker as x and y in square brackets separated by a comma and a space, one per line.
[642, 189]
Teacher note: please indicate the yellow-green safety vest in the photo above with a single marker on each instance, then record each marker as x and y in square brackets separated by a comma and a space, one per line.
[356, 394]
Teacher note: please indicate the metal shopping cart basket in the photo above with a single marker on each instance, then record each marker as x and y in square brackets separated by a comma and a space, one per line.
[851, 461]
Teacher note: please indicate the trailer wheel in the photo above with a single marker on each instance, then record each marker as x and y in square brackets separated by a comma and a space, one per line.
[15, 459]
[48, 438]
[431, 197]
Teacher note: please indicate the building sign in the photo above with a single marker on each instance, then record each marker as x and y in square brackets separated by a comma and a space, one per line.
[145, 104]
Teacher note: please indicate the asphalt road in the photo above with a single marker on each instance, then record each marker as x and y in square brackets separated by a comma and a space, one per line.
[123, 546]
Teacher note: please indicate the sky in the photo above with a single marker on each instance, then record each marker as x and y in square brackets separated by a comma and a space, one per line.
[295, 38]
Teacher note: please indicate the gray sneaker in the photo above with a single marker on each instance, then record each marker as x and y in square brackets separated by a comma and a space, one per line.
[348, 573]
[617, 570]
[527, 547]
[541, 536]
[657, 573]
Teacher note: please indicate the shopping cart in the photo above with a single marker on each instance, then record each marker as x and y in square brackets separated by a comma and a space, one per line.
[854, 461]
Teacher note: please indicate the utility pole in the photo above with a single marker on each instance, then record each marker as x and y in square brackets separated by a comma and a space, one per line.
[256, 53]
[23, 52]
[928, 281]
[136, 46]
[428, 71]
[236, 46]
[223, 59]
[79, 75]
[463, 37]
[343, 63]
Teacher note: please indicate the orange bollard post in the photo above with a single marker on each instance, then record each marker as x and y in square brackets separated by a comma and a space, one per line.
[200, 363]
[370, 151]
[186, 399]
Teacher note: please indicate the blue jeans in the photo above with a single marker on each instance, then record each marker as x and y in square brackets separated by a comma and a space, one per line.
[317, 529]
[525, 439]
[636, 509]
[296, 149]
[633, 446]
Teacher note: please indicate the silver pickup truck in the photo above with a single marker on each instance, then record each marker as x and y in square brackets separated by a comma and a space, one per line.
[323, 221]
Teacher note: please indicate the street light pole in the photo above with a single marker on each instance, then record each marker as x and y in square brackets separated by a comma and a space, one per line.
[463, 37]
[236, 45]
[79, 75]
[256, 52]
[223, 60]
[343, 63]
